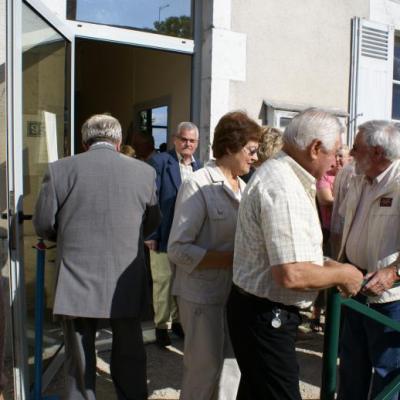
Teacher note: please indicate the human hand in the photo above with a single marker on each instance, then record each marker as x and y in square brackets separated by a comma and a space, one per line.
[151, 244]
[379, 281]
[352, 280]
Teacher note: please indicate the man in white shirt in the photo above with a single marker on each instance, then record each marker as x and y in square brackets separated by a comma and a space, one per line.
[278, 262]
[371, 240]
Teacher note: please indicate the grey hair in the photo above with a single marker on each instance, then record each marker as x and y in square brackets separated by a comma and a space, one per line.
[384, 134]
[310, 124]
[187, 126]
[101, 127]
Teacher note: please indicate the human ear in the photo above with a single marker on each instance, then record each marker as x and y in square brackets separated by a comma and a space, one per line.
[378, 153]
[314, 148]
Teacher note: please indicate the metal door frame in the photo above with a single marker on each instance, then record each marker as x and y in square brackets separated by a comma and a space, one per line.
[15, 173]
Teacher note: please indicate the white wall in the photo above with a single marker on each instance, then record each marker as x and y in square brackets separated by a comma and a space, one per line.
[298, 52]
[386, 11]
[59, 7]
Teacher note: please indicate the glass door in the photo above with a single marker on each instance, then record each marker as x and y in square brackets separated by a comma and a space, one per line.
[41, 133]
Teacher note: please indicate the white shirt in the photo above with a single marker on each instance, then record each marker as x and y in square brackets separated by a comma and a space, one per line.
[185, 169]
[371, 233]
[359, 232]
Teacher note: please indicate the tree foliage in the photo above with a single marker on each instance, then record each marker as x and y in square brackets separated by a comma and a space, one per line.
[175, 26]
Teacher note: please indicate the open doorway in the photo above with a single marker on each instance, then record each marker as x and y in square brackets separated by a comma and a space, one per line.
[145, 89]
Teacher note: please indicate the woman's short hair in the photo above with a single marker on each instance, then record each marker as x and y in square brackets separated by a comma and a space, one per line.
[270, 143]
[232, 133]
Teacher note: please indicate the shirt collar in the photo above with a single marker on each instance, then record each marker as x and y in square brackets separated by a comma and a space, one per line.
[381, 177]
[306, 179]
[180, 158]
[217, 176]
[102, 144]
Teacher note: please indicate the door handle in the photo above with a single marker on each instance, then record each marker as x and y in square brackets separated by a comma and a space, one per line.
[21, 216]
[24, 217]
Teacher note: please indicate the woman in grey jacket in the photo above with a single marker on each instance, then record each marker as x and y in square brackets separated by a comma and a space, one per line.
[201, 248]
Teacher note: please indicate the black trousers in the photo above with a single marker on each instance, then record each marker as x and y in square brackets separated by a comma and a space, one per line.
[266, 355]
[128, 359]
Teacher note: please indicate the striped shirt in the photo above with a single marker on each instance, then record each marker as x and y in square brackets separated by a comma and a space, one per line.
[185, 169]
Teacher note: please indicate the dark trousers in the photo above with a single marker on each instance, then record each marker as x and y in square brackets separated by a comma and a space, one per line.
[128, 359]
[367, 345]
[266, 355]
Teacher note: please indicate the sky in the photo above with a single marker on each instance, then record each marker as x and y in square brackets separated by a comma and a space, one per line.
[135, 13]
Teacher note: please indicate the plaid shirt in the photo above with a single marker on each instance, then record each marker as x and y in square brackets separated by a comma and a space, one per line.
[277, 224]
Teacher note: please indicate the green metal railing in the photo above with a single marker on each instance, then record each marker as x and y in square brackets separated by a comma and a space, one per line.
[331, 343]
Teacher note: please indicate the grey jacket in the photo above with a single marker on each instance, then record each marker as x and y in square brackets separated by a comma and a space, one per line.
[97, 206]
[205, 219]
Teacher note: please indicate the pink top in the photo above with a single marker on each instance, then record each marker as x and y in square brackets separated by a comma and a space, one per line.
[326, 182]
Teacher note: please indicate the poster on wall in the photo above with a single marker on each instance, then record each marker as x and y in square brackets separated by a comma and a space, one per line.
[50, 123]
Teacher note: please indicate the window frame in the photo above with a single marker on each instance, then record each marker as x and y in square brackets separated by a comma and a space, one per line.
[149, 125]
[394, 81]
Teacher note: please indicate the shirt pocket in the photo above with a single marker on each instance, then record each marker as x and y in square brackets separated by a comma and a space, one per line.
[217, 211]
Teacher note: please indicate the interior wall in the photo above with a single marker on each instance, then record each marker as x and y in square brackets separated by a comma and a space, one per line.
[104, 82]
[164, 78]
[123, 79]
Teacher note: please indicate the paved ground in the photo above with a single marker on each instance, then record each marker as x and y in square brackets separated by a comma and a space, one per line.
[165, 369]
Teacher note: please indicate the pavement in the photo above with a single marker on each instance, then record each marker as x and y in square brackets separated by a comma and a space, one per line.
[164, 367]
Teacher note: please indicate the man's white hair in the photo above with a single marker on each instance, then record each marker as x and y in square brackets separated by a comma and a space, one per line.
[187, 126]
[101, 127]
[311, 124]
[384, 134]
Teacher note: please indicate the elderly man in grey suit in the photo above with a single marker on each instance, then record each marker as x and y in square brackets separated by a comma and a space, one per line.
[98, 206]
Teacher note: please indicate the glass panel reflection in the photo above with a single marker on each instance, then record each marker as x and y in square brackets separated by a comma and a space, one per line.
[160, 116]
[167, 17]
[160, 137]
[396, 63]
[44, 140]
[396, 102]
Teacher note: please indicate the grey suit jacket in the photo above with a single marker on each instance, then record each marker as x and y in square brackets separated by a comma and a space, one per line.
[205, 219]
[97, 206]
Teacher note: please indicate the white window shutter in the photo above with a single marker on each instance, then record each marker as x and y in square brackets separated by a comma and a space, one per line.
[371, 73]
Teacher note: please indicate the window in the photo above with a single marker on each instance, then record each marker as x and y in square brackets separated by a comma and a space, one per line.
[280, 115]
[282, 118]
[155, 121]
[166, 17]
[396, 80]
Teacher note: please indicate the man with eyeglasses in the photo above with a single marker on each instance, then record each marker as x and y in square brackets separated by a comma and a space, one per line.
[278, 261]
[370, 351]
[172, 168]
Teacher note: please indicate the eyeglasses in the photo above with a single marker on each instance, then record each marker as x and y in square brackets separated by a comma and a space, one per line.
[186, 140]
[251, 151]
[357, 147]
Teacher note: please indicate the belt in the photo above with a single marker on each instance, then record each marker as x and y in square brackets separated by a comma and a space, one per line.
[264, 301]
